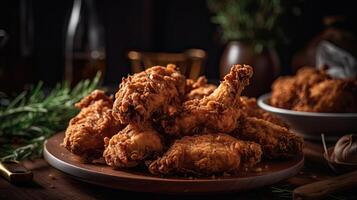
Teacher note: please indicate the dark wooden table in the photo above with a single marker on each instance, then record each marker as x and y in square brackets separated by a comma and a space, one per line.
[50, 183]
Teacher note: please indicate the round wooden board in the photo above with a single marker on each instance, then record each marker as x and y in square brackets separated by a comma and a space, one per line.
[272, 172]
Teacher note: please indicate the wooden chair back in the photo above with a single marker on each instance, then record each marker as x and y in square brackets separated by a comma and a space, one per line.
[190, 62]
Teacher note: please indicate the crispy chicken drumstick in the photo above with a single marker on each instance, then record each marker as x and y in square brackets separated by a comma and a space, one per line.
[217, 112]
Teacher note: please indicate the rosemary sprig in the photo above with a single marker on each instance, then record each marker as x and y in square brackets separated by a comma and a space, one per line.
[283, 191]
[31, 117]
[286, 192]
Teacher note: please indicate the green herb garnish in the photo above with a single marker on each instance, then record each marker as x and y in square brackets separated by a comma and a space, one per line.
[29, 119]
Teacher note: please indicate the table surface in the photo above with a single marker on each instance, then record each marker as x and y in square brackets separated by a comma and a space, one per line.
[49, 183]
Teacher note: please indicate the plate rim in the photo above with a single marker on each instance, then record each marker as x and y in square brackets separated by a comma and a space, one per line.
[265, 106]
[185, 184]
[51, 159]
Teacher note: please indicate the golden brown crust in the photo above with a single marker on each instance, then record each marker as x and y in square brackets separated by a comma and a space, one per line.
[284, 93]
[312, 90]
[276, 141]
[92, 98]
[156, 96]
[250, 108]
[289, 91]
[86, 131]
[132, 145]
[198, 89]
[155, 89]
[217, 112]
[331, 96]
[207, 154]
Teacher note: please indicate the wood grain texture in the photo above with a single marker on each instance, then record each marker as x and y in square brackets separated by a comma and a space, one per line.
[322, 189]
[50, 183]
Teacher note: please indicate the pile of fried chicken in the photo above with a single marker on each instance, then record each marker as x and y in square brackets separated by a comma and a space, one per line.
[171, 125]
[313, 90]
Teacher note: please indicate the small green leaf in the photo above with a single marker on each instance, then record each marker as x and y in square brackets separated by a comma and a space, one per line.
[31, 117]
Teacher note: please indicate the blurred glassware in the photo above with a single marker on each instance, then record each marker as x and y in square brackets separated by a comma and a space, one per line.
[3, 38]
[84, 43]
[190, 62]
[17, 55]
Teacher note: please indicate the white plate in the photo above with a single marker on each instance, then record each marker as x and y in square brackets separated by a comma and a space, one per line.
[311, 124]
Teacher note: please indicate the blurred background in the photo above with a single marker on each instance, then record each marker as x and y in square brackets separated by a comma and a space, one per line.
[72, 39]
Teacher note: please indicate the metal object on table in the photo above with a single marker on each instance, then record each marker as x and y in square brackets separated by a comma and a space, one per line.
[15, 172]
[84, 43]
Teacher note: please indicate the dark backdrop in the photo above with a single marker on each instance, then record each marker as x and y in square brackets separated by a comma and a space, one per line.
[150, 25]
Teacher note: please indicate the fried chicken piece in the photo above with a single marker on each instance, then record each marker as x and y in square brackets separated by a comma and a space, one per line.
[291, 91]
[284, 93]
[132, 145]
[331, 96]
[276, 141]
[198, 89]
[86, 131]
[142, 94]
[206, 155]
[217, 112]
[313, 90]
[94, 96]
[192, 84]
[308, 76]
[250, 108]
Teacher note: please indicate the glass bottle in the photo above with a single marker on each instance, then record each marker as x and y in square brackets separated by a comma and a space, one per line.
[84, 43]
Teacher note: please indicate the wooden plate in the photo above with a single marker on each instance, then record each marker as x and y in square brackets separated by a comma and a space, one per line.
[266, 173]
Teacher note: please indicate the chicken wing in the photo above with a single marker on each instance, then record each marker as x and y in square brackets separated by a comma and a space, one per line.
[217, 112]
[131, 146]
[206, 155]
[276, 141]
[86, 131]
[155, 89]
